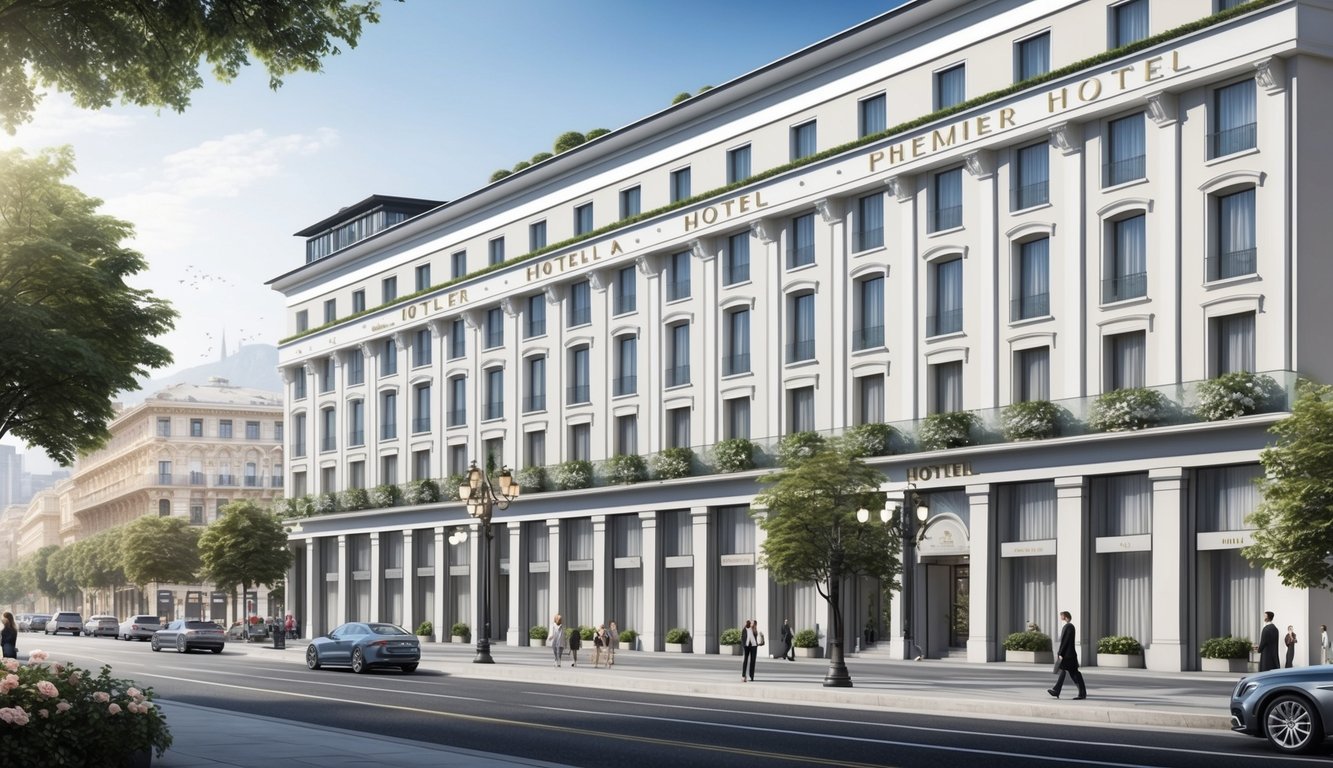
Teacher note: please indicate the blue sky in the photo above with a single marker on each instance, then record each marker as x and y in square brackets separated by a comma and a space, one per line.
[437, 96]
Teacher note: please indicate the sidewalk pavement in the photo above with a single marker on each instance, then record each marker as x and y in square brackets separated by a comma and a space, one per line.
[208, 737]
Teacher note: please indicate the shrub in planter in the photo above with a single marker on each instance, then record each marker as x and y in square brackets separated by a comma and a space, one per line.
[425, 629]
[539, 633]
[625, 469]
[869, 440]
[627, 637]
[300, 506]
[532, 479]
[326, 503]
[572, 475]
[1121, 645]
[806, 638]
[734, 455]
[585, 633]
[673, 463]
[1128, 409]
[449, 490]
[461, 630]
[799, 445]
[1033, 640]
[1032, 420]
[942, 431]
[1226, 648]
[678, 635]
[422, 492]
[1236, 394]
[385, 496]
[729, 636]
[354, 499]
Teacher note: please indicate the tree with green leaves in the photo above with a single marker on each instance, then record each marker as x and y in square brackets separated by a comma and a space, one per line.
[41, 576]
[1294, 522]
[16, 586]
[808, 514]
[62, 569]
[75, 332]
[96, 562]
[152, 54]
[245, 547]
[160, 549]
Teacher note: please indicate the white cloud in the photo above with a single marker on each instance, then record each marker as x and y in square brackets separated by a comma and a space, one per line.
[226, 167]
[58, 121]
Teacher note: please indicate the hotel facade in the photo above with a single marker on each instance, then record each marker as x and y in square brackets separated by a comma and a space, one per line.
[956, 206]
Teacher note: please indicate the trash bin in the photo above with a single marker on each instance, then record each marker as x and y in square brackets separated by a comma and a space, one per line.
[279, 640]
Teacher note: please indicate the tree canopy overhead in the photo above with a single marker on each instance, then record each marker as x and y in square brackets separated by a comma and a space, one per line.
[152, 53]
[74, 332]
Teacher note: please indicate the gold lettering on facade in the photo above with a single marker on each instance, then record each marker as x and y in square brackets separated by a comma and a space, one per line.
[724, 210]
[940, 138]
[435, 304]
[927, 472]
[1090, 90]
[1152, 69]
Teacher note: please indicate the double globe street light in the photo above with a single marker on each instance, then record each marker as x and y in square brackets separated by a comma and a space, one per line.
[482, 498]
[908, 536]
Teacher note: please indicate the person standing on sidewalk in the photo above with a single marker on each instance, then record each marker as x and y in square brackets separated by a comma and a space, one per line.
[1267, 646]
[788, 638]
[613, 634]
[1323, 642]
[9, 636]
[575, 642]
[1290, 641]
[750, 650]
[1066, 659]
[557, 639]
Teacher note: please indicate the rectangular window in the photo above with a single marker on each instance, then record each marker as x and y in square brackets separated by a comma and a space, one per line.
[356, 422]
[803, 140]
[389, 358]
[869, 330]
[1032, 176]
[251, 430]
[678, 276]
[1236, 251]
[458, 463]
[1126, 358]
[947, 200]
[298, 434]
[738, 164]
[330, 310]
[1127, 267]
[629, 202]
[1126, 151]
[1032, 57]
[164, 427]
[948, 298]
[737, 343]
[299, 385]
[534, 448]
[872, 115]
[627, 435]
[457, 401]
[196, 427]
[627, 366]
[535, 317]
[1233, 343]
[356, 474]
[801, 241]
[627, 291]
[950, 86]
[328, 430]
[583, 219]
[870, 399]
[389, 470]
[495, 393]
[1032, 286]
[1235, 123]
[678, 427]
[458, 264]
[421, 464]
[495, 251]
[580, 304]
[1224, 5]
[388, 415]
[422, 277]
[537, 235]
[495, 328]
[579, 376]
[421, 408]
[680, 184]
[1032, 374]
[536, 385]
[326, 381]
[580, 442]
[358, 301]
[388, 289]
[277, 431]
[457, 339]
[801, 330]
[801, 409]
[224, 429]
[356, 367]
[736, 261]
[736, 413]
[678, 355]
[869, 231]
[1129, 22]
[421, 348]
[302, 321]
[947, 391]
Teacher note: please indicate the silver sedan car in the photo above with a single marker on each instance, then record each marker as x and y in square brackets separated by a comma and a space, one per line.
[1292, 708]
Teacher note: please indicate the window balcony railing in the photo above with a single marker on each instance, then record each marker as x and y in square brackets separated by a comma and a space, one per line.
[164, 478]
[198, 478]
[356, 437]
[1122, 287]
[946, 218]
[226, 479]
[251, 481]
[1232, 140]
[799, 351]
[941, 323]
[577, 394]
[1233, 264]
[868, 337]
[800, 255]
[495, 339]
[275, 481]
[327, 444]
[678, 289]
[737, 363]
[736, 273]
[678, 376]
[1030, 306]
[1030, 195]
[536, 328]
[495, 409]
[421, 424]
[865, 239]
[388, 431]
[534, 403]
[456, 417]
[298, 449]
[580, 316]
[1124, 171]
[625, 385]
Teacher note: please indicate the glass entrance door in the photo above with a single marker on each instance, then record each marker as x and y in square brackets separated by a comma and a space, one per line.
[958, 604]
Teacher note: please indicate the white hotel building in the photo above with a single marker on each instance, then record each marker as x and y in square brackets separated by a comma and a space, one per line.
[957, 205]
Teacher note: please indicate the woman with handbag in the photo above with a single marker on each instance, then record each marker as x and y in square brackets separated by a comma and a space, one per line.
[750, 649]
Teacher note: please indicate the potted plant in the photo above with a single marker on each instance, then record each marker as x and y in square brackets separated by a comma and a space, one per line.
[449, 491]
[673, 463]
[1119, 651]
[61, 712]
[532, 479]
[1030, 647]
[942, 431]
[626, 469]
[806, 643]
[629, 640]
[870, 440]
[734, 455]
[386, 495]
[460, 633]
[326, 503]
[1236, 394]
[1226, 654]
[425, 632]
[1032, 420]
[799, 445]
[537, 635]
[730, 639]
[677, 640]
[425, 491]
[1128, 409]
[354, 499]
[572, 475]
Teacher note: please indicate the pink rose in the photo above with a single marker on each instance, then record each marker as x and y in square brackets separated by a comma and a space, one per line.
[134, 693]
[101, 697]
[74, 678]
[113, 708]
[9, 683]
[43, 713]
[12, 665]
[47, 689]
[63, 706]
[57, 668]
[37, 657]
[14, 715]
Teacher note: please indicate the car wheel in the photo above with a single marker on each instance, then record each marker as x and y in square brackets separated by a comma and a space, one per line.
[409, 668]
[181, 647]
[1292, 724]
[217, 650]
[312, 658]
[154, 644]
[358, 662]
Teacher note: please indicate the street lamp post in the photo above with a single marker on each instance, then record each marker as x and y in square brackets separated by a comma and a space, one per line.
[908, 536]
[482, 499]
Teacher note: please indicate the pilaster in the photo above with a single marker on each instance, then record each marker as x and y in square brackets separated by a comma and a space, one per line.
[1070, 562]
[1165, 650]
[981, 640]
[651, 566]
[702, 630]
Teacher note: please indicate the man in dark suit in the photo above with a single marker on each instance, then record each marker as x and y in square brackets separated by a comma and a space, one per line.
[1268, 644]
[1066, 659]
[788, 636]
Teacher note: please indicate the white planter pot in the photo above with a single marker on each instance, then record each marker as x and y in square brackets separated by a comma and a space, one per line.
[729, 650]
[457, 639]
[1030, 657]
[425, 639]
[1126, 661]
[809, 653]
[1226, 665]
[676, 647]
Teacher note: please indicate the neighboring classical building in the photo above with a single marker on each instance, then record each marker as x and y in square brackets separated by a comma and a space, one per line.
[955, 206]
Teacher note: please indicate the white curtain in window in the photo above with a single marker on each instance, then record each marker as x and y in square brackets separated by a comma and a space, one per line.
[803, 409]
[1122, 505]
[1236, 106]
[1126, 595]
[949, 290]
[1034, 56]
[578, 603]
[629, 356]
[870, 401]
[872, 303]
[628, 609]
[951, 85]
[627, 531]
[539, 541]
[578, 538]
[680, 345]
[1131, 251]
[1226, 496]
[679, 596]
[1030, 594]
[807, 605]
[1127, 360]
[805, 318]
[1127, 140]
[870, 210]
[677, 533]
[735, 531]
[1230, 595]
[460, 604]
[1235, 215]
[1035, 269]
[949, 189]
[948, 387]
[874, 115]
[735, 595]
[1235, 343]
[540, 610]
[1034, 371]
[740, 332]
[1030, 508]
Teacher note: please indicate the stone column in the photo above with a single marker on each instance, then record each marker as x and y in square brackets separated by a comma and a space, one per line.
[983, 574]
[1070, 564]
[555, 560]
[1165, 650]
[651, 566]
[436, 612]
[310, 617]
[338, 611]
[410, 618]
[518, 572]
[705, 582]
[601, 570]
[377, 612]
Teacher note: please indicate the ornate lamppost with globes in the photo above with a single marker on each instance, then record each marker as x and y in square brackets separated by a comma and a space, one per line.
[909, 540]
[482, 498]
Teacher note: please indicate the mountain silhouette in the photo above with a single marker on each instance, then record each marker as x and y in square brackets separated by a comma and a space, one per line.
[252, 365]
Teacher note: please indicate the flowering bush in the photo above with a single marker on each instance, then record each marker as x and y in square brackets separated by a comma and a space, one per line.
[425, 491]
[799, 445]
[1235, 394]
[1123, 645]
[869, 440]
[1136, 408]
[733, 455]
[626, 468]
[572, 475]
[58, 714]
[953, 429]
[1032, 419]
[532, 479]
[673, 463]
[386, 495]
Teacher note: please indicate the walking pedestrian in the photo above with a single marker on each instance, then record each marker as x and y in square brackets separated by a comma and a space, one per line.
[9, 636]
[289, 626]
[614, 636]
[1066, 660]
[1267, 646]
[575, 641]
[788, 638]
[1323, 642]
[750, 649]
[1290, 641]
[557, 638]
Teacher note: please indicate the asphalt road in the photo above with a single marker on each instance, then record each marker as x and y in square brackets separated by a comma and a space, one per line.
[615, 728]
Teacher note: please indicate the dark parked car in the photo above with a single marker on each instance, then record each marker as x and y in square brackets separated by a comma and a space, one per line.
[1292, 708]
[186, 635]
[363, 646]
[139, 627]
[37, 623]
